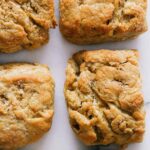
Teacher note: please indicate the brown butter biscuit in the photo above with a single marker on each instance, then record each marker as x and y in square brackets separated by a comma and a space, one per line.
[96, 21]
[24, 24]
[103, 94]
[26, 104]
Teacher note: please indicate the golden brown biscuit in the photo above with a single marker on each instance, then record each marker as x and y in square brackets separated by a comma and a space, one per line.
[96, 21]
[103, 94]
[26, 104]
[24, 24]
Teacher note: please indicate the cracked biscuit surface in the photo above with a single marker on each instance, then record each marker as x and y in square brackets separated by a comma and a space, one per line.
[96, 21]
[24, 24]
[26, 104]
[103, 94]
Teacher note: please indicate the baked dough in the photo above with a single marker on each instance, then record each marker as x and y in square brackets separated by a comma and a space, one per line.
[103, 94]
[24, 24]
[26, 104]
[96, 21]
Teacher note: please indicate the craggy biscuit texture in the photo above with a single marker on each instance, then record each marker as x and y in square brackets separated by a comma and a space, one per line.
[24, 24]
[96, 21]
[26, 104]
[103, 95]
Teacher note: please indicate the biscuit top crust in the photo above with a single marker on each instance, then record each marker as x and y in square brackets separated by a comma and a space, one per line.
[26, 104]
[25, 23]
[90, 18]
[103, 94]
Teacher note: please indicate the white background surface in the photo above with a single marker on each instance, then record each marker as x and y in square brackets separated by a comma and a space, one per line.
[55, 55]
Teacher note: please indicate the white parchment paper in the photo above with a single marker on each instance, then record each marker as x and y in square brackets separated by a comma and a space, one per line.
[55, 55]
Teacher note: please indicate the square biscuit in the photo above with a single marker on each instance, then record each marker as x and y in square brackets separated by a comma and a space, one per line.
[26, 104]
[24, 24]
[96, 21]
[103, 94]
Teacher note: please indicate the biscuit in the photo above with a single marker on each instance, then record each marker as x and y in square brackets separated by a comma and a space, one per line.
[97, 21]
[103, 94]
[24, 24]
[26, 104]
